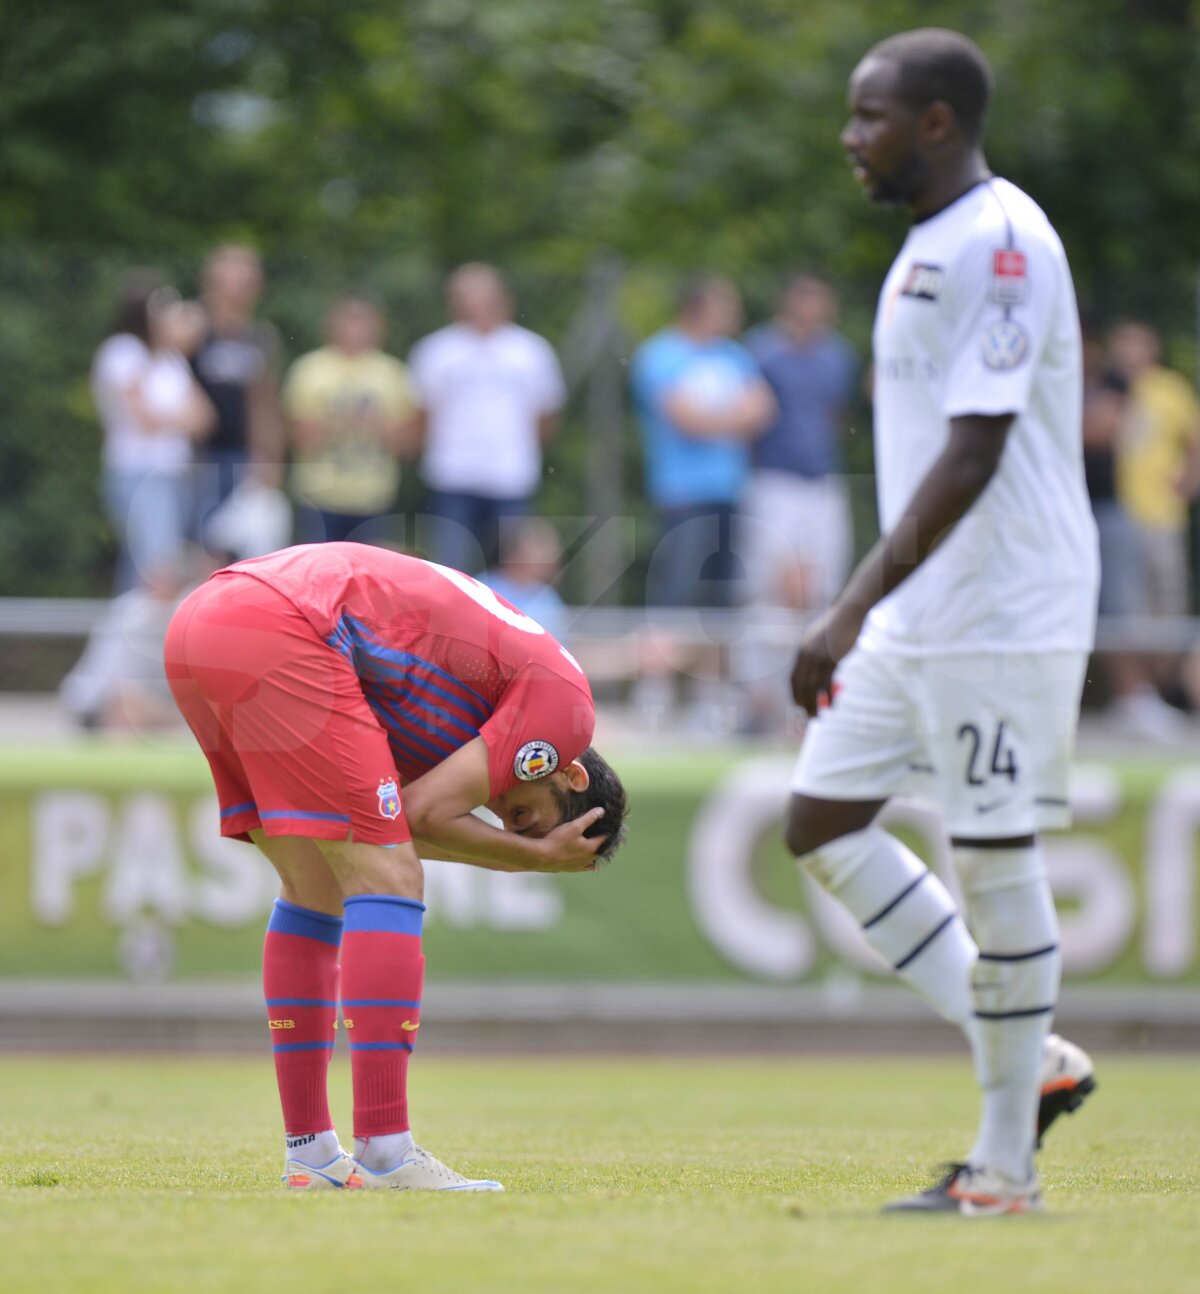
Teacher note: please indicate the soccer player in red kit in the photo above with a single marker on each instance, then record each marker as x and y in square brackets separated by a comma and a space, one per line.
[356, 706]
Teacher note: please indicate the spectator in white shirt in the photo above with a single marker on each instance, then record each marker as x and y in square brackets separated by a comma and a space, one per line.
[489, 393]
[151, 410]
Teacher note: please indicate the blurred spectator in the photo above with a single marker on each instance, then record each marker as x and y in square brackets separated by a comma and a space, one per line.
[350, 411]
[119, 683]
[236, 362]
[797, 533]
[489, 392]
[151, 410]
[700, 398]
[530, 562]
[1136, 704]
[1105, 412]
[798, 528]
[1156, 464]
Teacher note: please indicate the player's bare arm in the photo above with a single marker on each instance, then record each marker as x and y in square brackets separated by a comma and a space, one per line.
[957, 478]
[440, 808]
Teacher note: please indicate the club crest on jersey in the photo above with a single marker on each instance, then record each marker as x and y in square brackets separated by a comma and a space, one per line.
[1005, 345]
[389, 798]
[1010, 283]
[923, 282]
[535, 759]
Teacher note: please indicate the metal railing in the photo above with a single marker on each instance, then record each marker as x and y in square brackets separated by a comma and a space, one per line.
[76, 617]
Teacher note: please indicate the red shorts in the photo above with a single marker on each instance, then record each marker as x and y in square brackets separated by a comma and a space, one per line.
[293, 746]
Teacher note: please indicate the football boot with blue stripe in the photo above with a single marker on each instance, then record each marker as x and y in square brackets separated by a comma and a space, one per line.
[419, 1171]
[341, 1173]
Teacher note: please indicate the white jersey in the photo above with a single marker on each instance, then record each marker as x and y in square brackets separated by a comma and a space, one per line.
[484, 394]
[978, 316]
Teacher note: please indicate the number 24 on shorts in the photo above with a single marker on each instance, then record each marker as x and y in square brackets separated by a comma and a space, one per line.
[1003, 755]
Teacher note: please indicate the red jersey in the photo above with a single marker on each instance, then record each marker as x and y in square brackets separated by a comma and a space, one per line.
[441, 658]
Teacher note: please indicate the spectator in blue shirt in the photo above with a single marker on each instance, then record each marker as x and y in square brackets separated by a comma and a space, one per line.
[700, 399]
[797, 536]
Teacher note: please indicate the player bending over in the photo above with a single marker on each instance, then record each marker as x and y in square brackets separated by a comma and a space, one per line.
[956, 652]
[320, 681]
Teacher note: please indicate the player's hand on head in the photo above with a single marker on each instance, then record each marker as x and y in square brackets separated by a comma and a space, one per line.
[567, 849]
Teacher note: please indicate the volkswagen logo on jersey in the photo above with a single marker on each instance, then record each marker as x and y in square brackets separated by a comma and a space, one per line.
[389, 798]
[535, 759]
[1005, 345]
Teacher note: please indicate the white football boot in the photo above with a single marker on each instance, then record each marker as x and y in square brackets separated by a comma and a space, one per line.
[1068, 1078]
[341, 1173]
[973, 1193]
[419, 1171]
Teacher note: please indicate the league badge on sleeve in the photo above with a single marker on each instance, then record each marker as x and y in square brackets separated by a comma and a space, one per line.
[1005, 345]
[1010, 280]
[389, 798]
[535, 759]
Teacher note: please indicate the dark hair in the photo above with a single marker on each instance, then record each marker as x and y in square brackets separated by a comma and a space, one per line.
[697, 288]
[938, 64]
[603, 791]
[359, 297]
[802, 277]
[133, 305]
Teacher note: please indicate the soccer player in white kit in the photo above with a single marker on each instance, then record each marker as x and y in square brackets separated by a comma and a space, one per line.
[955, 655]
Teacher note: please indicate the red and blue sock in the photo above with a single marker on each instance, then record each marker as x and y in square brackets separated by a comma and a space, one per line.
[382, 973]
[300, 983]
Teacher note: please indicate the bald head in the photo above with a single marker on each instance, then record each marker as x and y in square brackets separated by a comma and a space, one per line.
[938, 65]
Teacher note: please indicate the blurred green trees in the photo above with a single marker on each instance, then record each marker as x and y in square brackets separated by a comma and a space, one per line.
[381, 143]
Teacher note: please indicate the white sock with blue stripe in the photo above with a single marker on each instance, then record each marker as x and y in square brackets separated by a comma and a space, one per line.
[1014, 992]
[907, 914]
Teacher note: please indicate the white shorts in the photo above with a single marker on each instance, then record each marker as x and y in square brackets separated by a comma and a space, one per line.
[988, 737]
[789, 520]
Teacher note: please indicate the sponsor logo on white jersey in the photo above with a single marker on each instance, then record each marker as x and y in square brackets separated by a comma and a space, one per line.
[923, 282]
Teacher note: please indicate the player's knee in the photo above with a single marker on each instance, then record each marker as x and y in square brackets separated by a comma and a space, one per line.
[813, 824]
[804, 832]
[362, 868]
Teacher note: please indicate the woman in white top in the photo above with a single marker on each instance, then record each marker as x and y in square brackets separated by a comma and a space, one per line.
[151, 409]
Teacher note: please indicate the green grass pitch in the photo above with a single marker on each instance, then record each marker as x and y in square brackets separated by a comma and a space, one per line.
[697, 1175]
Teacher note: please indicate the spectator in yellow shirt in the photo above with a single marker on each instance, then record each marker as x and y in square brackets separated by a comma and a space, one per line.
[1158, 463]
[350, 410]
